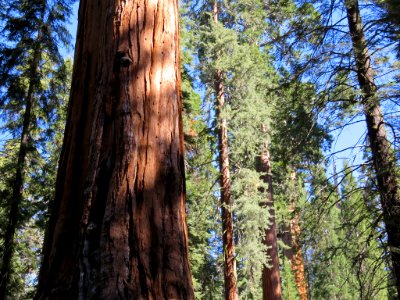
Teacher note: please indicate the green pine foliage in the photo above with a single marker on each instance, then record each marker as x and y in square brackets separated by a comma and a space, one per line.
[290, 201]
[328, 268]
[290, 87]
[201, 176]
[34, 80]
[363, 242]
[202, 207]
[298, 137]
[297, 141]
[231, 47]
[289, 289]
[40, 174]
[344, 247]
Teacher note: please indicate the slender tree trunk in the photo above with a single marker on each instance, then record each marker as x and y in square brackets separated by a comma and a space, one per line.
[226, 202]
[18, 182]
[231, 292]
[382, 154]
[118, 228]
[271, 280]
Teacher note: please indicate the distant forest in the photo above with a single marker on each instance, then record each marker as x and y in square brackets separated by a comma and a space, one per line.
[244, 149]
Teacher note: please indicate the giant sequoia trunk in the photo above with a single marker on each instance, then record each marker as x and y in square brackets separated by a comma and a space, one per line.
[382, 154]
[117, 229]
[294, 254]
[297, 261]
[271, 280]
[291, 237]
[230, 280]
[18, 182]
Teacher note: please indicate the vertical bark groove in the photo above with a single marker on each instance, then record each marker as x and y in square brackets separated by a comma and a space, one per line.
[383, 157]
[118, 228]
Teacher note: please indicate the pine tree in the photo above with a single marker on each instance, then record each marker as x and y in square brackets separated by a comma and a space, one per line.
[231, 292]
[361, 244]
[29, 57]
[297, 142]
[329, 268]
[201, 187]
[344, 254]
[383, 158]
[233, 49]
[389, 18]
[321, 53]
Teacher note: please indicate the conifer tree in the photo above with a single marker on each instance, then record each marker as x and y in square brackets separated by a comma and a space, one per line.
[233, 48]
[201, 187]
[29, 56]
[322, 53]
[230, 275]
[383, 158]
[297, 140]
[361, 244]
[38, 187]
[342, 241]
[328, 267]
[389, 18]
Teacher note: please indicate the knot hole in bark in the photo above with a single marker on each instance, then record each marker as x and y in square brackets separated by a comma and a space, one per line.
[122, 59]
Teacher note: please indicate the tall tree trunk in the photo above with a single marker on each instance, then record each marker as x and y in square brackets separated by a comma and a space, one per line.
[294, 254]
[382, 154]
[271, 280]
[291, 236]
[18, 182]
[297, 264]
[117, 229]
[231, 292]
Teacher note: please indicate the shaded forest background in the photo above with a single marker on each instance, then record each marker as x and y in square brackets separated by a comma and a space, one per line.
[268, 88]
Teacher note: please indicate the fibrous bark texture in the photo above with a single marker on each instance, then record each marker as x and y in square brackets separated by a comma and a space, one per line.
[382, 153]
[271, 281]
[117, 229]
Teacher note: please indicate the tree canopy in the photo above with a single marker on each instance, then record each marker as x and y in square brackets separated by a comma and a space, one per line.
[290, 129]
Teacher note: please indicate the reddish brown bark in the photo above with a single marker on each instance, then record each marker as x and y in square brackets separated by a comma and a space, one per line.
[226, 202]
[271, 281]
[291, 237]
[230, 280]
[383, 157]
[117, 229]
[297, 263]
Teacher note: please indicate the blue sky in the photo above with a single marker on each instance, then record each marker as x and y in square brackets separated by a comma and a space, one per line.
[351, 136]
[72, 29]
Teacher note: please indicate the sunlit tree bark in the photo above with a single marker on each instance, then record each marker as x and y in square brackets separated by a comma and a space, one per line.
[117, 229]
